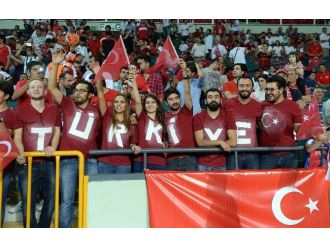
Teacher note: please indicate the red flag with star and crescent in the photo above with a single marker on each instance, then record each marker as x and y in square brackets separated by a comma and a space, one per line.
[8, 150]
[167, 59]
[116, 59]
[272, 198]
[311, 126]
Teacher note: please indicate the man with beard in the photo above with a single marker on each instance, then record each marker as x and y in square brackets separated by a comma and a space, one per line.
[179, 125]
[280, 117]
[214, 128]
[230, 88]
[37, 128]
[246, 112]
[81, 124]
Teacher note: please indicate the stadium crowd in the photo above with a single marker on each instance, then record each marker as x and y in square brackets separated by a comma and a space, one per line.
[232, 88]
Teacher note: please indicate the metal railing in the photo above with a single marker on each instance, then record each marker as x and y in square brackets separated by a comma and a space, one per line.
[57, 155]
[147, 151]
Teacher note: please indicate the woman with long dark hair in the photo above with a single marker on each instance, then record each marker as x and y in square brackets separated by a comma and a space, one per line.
[117, 133]
[151, 128]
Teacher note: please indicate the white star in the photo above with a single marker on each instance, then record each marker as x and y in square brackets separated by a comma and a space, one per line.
[312, 205]
[275, 121]
[306, 118]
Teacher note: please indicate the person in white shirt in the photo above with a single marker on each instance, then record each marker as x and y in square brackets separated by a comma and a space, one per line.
[289, 48]
[198, 50]
[325, 42]
[208, 40]
[218, 49]
[237, 54]
[183, 48]
[184, 30]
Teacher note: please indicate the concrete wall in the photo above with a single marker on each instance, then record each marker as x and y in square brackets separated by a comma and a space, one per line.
[118, 200]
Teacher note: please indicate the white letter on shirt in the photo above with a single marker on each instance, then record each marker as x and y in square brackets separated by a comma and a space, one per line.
[82, 134]
[41, 136]
[172, 131]
[153, 130]
[120, 129]
[241, 132]
[215, 136]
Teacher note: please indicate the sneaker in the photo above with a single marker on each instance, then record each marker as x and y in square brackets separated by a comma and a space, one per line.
[15, 209]
[39, 205]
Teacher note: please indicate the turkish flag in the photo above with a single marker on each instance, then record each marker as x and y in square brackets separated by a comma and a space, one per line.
[116, 59]
[255, 198]
[167, 59]
[312, 125]
[8, 150]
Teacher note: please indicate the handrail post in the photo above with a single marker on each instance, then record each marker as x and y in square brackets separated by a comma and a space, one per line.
[80, 188]
[1, 181]
[29, 185]
[57, 190]
[236, 160]
[145, 158]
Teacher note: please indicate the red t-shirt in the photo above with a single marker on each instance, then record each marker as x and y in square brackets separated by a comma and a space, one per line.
[80, 127]
[120, 138]
[277, 123]
[94, 46]
[4, 54]
[109, 96]
[150, 135]
[142, 84]
[179, 130]
[8, 118]
[25, 98]
[245, 117]
[230, 86]
[214, 130]
[323, 77]
[38, 128]
[314, 49]
[142, 32]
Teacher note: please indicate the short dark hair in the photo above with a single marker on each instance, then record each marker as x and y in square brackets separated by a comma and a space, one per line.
[90, 86]
[212, 90]
[32, 64]
[242, 66]
[192, 67]
[7, 88]
[63, 74]
[281, 83]
[170, 91]
[249, 78]
[144, 57]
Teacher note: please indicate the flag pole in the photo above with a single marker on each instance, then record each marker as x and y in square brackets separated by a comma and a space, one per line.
[173, 47]
[121, 40]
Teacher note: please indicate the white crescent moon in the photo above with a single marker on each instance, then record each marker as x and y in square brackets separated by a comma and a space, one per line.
[262, 119]
[116, 55]
[8, 144]
[276, 206]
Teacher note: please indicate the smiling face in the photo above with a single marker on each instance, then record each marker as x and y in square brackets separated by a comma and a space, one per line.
[273, 93]
[119, 104]
[36, 90]
[245, 87]
[151, 105]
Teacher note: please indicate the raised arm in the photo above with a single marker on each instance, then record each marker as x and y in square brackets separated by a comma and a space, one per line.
[187, 96]
[100, 94]
[135, 91]
[52, 80]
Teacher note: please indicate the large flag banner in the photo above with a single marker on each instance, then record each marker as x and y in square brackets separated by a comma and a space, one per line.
[312, 125]
[167, 59]
[116, 59]
[8, 150]
[277, 198]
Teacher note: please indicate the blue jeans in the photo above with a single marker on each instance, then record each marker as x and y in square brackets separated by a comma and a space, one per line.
[185, 163]
[210, 168]
[6, 177]
[68, 185]
[138, 167]
[270, 161]
[42, 173]
[245, 161]
[105, 168]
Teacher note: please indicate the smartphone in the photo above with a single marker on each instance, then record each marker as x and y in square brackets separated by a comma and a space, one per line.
[28, 44]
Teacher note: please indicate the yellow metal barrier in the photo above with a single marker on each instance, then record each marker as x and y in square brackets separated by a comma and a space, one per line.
[57, 155]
